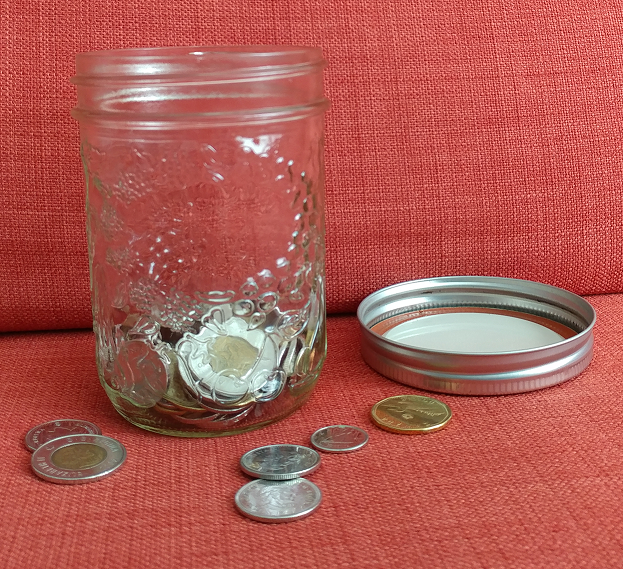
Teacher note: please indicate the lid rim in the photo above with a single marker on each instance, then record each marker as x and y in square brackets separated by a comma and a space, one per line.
[394, 344]
[552, 363]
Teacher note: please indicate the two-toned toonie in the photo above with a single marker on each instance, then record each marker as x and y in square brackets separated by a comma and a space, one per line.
[78, 459]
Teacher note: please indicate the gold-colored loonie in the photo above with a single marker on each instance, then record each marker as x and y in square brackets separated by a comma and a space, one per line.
[411, 414]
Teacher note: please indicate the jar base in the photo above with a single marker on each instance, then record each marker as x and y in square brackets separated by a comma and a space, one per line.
[148, 420]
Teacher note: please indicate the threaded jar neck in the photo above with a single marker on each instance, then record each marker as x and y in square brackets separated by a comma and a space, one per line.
[207, 84]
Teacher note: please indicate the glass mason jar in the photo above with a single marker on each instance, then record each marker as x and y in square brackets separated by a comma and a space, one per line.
[205, 225]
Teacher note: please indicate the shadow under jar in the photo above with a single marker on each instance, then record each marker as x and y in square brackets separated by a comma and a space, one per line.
[205, 223]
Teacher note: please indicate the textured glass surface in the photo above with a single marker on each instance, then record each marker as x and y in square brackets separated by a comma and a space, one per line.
[206, 243]
[207, 260]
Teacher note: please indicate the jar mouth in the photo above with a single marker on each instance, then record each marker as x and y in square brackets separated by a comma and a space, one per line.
[195, 64]
[199, 86]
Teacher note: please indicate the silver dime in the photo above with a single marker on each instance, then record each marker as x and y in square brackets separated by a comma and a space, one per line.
[47, 432]
[78, 459]
[280, 462]
[339, 438]
[275, 502]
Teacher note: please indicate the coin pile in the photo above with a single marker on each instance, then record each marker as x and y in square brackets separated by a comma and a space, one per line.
[72, 451]
[226, 365]
[280, 493]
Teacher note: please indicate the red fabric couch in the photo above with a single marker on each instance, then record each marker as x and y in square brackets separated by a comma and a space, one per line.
[464, 138]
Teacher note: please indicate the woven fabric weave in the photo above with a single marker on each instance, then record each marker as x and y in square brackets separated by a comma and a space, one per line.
[464, 138]
[523, 481]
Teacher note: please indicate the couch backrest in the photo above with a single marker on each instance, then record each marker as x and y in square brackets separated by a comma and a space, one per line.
[465, 137]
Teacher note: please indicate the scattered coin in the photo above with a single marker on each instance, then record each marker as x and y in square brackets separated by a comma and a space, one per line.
[411, 414]
[280, 462]
[339, 438]
[78, 459]
[46, 432]
[275, 502]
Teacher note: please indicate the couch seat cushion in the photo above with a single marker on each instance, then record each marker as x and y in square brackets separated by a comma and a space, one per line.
[530, 480]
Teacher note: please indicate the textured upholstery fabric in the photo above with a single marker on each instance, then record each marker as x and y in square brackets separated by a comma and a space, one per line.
[523, 481]
[465, 137]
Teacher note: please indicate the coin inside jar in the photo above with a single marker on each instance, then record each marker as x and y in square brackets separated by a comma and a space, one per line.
[339, 438]
[78, 459]
[411, 414]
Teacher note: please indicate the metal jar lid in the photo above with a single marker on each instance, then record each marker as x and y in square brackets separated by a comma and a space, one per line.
[476, 335]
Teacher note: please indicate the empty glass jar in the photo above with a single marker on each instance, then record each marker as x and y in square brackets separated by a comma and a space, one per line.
[205, 224]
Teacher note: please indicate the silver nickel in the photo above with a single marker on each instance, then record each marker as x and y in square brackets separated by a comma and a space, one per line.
[280, 462]
[278, 502]
[51, 430]
[78, 459]
[339, 438]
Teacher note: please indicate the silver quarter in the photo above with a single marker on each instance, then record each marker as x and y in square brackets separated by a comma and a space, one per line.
[278, 502]
[280, 462]
[78, 459]
[47, 432]
[339, 438]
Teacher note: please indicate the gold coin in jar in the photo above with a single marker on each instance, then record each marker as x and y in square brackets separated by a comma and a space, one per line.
[411, 414]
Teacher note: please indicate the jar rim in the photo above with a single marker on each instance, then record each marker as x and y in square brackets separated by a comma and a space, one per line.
[205, 62]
